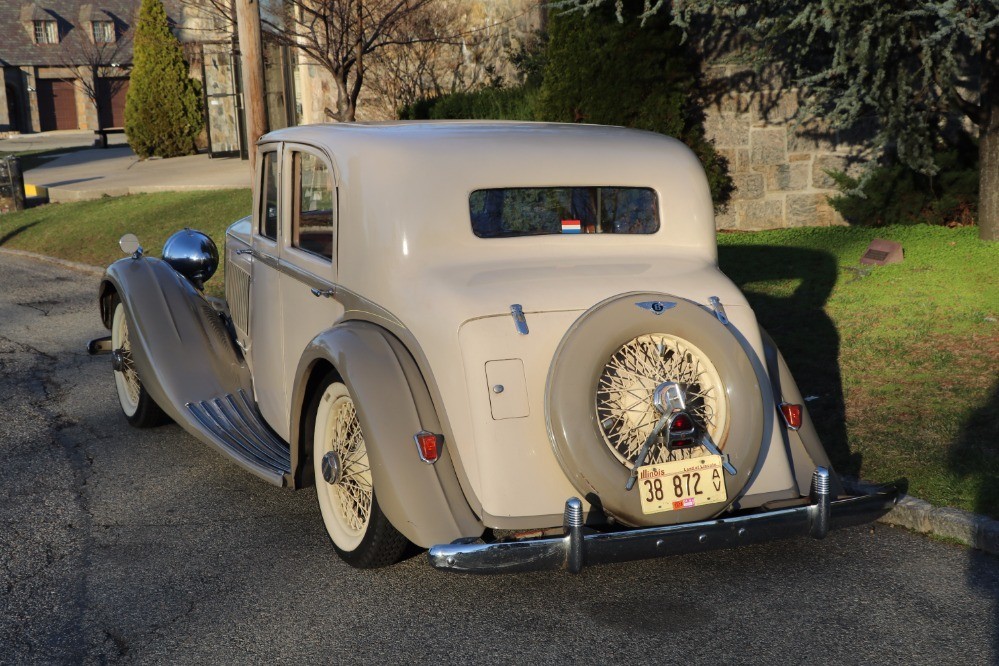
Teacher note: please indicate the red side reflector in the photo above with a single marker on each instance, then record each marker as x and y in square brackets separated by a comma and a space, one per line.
[429, 446]
[792, 415]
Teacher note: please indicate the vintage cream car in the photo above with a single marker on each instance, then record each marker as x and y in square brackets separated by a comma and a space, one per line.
[508, 343]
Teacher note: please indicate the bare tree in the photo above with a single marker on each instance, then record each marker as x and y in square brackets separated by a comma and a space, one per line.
[96, 64]
[401, 74]
[339, 36]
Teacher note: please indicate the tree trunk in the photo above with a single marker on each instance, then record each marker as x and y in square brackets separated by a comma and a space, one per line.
[988, 141]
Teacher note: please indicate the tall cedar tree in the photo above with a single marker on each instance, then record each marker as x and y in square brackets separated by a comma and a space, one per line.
[912, 64]
[599, 70]
[162, 107]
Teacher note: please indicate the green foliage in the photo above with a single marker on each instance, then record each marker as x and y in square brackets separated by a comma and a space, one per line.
[630, 72]
[594, 69]
[493, 103]
[898, 194]
[163, 106]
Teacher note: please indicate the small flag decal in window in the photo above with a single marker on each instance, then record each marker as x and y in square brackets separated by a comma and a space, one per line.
[571, 227]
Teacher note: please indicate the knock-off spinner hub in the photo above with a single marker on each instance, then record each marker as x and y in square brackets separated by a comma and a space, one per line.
[670, 398]
[332, 470]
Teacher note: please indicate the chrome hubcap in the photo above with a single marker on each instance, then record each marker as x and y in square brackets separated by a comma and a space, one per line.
[332, 470]
[670, 398]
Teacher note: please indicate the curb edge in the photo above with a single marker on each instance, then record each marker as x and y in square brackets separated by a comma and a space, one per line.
[77, 266]
[920, 516]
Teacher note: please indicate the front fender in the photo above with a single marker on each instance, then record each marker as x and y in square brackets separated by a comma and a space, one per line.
[185, 357]
[424, 502]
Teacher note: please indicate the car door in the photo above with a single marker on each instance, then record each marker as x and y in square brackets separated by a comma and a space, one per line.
[266, 333]
[308, 256]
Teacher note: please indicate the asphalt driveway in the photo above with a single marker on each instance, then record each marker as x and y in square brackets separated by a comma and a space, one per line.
[119, 545]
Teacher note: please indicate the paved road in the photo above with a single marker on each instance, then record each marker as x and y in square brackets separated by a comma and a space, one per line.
[126, 546]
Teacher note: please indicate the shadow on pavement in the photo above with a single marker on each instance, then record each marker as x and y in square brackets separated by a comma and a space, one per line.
[979, 438]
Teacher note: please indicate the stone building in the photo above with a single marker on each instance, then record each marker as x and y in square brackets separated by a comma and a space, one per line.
[65, 63]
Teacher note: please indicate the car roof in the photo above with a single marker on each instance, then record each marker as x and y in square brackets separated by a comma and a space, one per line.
[460, 139]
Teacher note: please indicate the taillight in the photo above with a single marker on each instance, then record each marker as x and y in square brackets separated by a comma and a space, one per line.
[429, 446]
[792, 415]
[682, 423]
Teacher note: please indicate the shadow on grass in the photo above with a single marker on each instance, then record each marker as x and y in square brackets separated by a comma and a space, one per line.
[804, 333]
[15, 232]
[975, 451]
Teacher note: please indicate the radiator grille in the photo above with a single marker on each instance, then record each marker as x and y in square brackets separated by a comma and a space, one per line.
[237, 293]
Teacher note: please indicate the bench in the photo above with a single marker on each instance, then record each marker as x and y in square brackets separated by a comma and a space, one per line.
[101, 141]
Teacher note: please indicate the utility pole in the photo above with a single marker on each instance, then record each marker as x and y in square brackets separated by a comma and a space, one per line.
[252, 73]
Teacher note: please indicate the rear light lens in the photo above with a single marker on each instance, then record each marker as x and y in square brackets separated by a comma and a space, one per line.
[429, 446]
[792, 415]
[682, 422]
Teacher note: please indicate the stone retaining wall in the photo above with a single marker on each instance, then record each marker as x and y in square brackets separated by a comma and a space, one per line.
[779, 167]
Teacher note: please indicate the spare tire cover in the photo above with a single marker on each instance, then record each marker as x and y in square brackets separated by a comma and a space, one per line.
[599, 398]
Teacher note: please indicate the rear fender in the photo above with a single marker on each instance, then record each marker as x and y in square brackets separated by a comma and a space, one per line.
[804, 447]
[424, 502]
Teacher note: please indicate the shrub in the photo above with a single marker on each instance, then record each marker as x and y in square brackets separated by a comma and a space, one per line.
[601, 70]
[896, 194]
[494, 103]
[162, 107]
[595, 69]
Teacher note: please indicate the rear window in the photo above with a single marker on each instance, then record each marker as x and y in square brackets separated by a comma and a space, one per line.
[537, 211]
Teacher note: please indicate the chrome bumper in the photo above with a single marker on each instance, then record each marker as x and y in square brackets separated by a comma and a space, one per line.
[576, 549]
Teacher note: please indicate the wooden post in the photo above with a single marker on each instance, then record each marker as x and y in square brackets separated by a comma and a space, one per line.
[252, 72]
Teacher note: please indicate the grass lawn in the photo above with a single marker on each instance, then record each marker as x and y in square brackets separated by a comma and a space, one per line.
[901, 362]
[88, 231]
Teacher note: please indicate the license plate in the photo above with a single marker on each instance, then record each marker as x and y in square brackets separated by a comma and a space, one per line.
[681, 484]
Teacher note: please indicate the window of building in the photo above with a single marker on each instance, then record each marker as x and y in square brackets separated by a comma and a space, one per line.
[315, 205]
[45, 32]
[103, 32]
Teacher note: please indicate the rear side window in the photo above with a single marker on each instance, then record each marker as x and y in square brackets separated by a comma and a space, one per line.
[535, 211]
[313, 218]
[269, 198]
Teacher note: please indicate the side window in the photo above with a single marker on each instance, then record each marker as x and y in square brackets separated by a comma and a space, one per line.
[269, 197]
[314, 213]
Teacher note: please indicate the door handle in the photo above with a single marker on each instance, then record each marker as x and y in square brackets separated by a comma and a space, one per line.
[249, 252]
[328, 293]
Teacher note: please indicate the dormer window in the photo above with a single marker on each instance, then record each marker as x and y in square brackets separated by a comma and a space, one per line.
[46, 33]
[103, 32]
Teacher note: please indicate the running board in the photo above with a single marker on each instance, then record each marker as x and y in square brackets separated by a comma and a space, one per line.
[237, 429]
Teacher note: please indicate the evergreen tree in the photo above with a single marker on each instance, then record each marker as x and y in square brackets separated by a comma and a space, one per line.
[162, 108]
[914, 65]
[609, 72]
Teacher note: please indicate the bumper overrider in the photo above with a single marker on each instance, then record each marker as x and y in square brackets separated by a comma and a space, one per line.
[579, 548]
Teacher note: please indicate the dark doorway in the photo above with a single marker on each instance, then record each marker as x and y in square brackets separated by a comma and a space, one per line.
[57, 104]
[14, 108]
[111, 101]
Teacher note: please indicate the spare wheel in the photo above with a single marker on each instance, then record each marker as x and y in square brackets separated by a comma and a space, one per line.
[600, 399]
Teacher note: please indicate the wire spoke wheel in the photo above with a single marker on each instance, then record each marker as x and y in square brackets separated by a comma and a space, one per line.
[346, 504]
[626, 387]
[139, 408]
[361, 534]
[127, 379]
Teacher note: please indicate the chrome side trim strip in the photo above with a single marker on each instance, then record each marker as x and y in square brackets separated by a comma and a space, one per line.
[575, 549]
